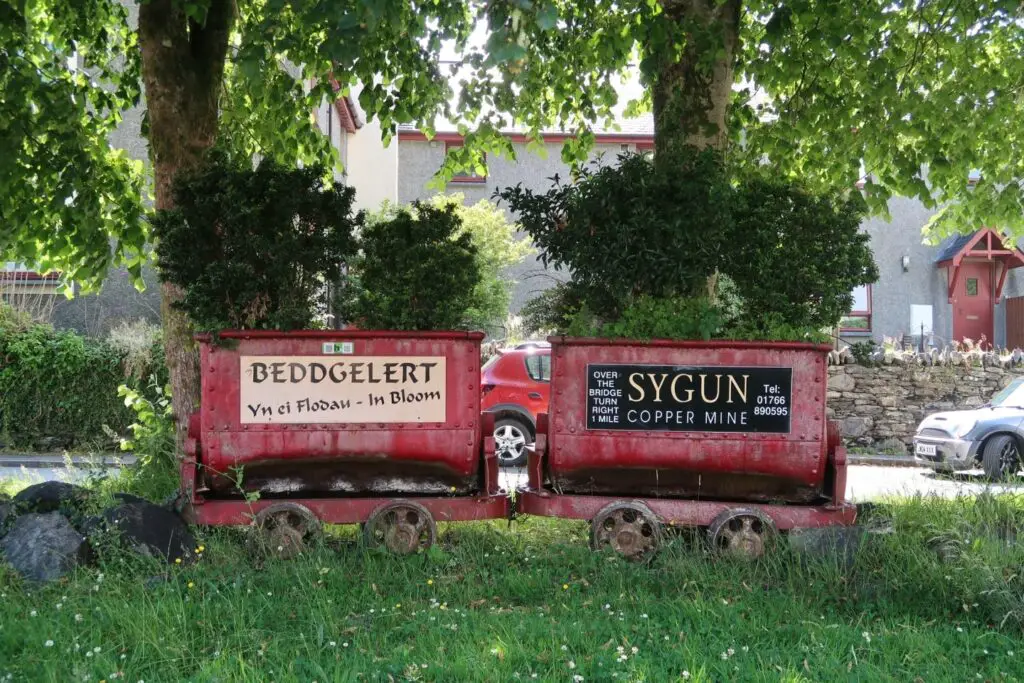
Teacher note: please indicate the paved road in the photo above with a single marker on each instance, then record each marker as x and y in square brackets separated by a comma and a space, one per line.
[863, 483]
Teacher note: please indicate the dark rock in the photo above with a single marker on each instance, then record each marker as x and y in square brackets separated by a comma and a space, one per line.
[6, 510]
[51, 496]
[151, 530]
[44, 547]
[840, 543]
[90, 525]
[129, 498]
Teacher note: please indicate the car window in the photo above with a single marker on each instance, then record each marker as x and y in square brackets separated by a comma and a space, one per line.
[491, 361]
[1011, 396]
[538, 366]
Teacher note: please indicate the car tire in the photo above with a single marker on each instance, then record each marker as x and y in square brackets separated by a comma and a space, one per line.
[1000, 457]
[511, 437]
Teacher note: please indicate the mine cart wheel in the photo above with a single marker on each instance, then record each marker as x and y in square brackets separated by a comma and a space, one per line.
[284, 529]
[402, 528]
[630, 529]
[742, 533]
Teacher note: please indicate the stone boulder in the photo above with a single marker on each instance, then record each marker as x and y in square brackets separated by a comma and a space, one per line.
[855, 427]
[44, 547]
[6, 510]
[834, 543]
[149, 530]
[51, 496]
[841, 381]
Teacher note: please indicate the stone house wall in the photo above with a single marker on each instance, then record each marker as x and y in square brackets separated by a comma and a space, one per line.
[881, 406]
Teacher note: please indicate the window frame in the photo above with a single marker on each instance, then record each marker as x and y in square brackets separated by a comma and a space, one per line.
[466, 178]
[859, 314]
[540, 356]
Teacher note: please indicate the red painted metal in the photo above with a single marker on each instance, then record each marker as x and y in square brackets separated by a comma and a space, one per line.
[798, 478]
[342, 472]
[355, 510]
[683, 512]
[352, 458]
[780, 467]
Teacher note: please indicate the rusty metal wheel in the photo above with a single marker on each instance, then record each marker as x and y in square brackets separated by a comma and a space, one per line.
[742, 532]
[402, 528]
[630, 529]
[285, 529]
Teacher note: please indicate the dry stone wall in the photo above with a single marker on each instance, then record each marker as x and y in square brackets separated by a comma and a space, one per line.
[881, 406]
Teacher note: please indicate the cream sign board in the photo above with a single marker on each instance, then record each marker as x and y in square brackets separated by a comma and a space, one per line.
[352, 389]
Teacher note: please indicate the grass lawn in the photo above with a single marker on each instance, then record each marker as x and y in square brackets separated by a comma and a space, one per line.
[530, 602]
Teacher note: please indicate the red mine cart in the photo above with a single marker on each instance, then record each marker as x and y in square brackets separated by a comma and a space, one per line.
[726, 435]
[381, 428]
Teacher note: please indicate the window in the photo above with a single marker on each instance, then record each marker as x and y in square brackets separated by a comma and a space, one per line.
[645, 149]
[464, 177]
[538, 366]
[28, 291]
[859, 318]
[972, 286]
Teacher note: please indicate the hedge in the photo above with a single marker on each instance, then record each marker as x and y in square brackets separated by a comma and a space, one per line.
[59, 389]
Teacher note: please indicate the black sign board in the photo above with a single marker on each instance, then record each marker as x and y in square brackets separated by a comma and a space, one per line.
[679, 398]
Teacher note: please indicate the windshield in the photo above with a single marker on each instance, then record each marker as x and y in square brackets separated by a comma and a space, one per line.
[1012, 395]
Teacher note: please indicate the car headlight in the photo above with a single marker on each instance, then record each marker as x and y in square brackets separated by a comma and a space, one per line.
[964, 428]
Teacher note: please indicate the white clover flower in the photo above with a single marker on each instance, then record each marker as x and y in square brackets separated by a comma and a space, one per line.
[59, 605]
[643, 616]
[635, 649]
[564, 648]
[724, 656]
[332, 644]
[731, 651]
[96, 650]
[959, 630]
[572, 664]
[866, 636]
[577, 678]
[32, 613]
[48, 643]
[686, 674]
[494, 651]
[345, 644]
[78, 617]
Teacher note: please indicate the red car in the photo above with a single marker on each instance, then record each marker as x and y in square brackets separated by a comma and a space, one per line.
[516, 386]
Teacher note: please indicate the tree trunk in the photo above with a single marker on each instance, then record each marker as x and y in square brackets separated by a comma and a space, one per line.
[691, 87]
[182, 71]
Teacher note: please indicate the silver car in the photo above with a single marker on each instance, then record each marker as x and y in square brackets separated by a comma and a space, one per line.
[990, 436]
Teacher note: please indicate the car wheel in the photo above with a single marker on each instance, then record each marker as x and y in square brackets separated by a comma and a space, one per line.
[510, 439]
[1001, 457]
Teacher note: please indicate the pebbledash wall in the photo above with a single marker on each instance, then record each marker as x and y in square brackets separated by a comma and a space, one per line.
[881, 406]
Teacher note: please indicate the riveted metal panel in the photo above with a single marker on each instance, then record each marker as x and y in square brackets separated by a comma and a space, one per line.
[294, 457]
[731, 462]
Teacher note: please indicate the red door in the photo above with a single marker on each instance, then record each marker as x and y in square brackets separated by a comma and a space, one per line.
[973, 302]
